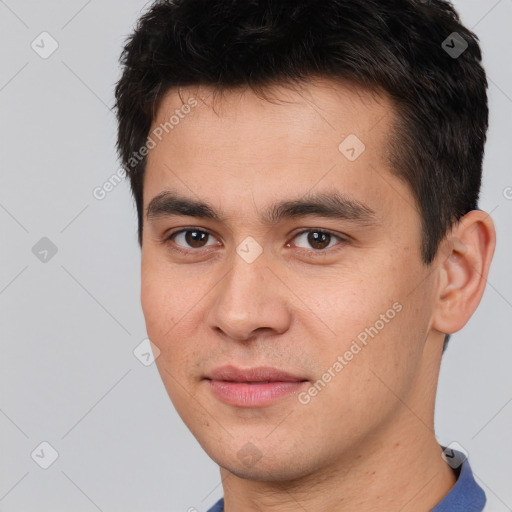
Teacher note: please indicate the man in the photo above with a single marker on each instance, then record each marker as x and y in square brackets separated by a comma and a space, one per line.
[306, 176]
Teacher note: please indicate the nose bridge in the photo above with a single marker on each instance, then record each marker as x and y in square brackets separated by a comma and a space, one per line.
[246, 299]
[243, 287]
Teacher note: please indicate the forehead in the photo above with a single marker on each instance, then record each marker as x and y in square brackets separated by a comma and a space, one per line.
[317, 104]
[239, 148]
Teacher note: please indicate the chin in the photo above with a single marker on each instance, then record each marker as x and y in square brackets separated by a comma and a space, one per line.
[278, 469]
[265, 473]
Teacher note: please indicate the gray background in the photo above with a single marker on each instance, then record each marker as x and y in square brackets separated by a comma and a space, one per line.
[69, 325]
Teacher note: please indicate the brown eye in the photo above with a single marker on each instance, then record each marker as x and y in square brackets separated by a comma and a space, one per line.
[190, 238]
[196, 238]
[317, 239]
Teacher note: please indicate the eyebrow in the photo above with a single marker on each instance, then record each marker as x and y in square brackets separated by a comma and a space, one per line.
[324, 204]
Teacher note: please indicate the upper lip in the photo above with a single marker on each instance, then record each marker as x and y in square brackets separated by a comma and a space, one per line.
[258, 374]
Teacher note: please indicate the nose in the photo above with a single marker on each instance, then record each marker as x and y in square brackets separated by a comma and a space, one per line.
[250, 299]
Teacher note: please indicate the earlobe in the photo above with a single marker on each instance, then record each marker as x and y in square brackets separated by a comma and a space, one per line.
[465, 259]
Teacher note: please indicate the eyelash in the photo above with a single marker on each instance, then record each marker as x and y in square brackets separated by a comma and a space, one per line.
[309, 252]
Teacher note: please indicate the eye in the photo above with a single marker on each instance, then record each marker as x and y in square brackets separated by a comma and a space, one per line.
[189, 239]
[320, 240]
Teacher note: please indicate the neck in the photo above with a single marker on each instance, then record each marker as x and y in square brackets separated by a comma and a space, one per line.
[413, 478]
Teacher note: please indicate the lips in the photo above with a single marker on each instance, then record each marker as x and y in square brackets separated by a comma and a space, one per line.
[261, 374]
[252, 387]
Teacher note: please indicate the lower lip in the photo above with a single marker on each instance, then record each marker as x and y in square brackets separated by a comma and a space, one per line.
[252, 395]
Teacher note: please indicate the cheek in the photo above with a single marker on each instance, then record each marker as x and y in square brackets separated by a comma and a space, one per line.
[163, 294]
[156, 306]
[350, 305]
[395, 353]
[169, 316]
[161, 304]
[372, 318]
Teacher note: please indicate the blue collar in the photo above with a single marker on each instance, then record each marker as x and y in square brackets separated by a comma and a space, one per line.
[465, 496]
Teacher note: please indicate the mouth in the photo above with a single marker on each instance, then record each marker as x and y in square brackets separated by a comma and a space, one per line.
[252, 387]
[260, 374]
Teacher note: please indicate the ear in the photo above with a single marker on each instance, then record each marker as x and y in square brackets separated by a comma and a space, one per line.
[465, 258]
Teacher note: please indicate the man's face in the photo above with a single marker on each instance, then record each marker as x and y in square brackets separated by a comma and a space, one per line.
[298, 294]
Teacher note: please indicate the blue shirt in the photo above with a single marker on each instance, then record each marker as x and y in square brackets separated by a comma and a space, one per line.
[465, 496]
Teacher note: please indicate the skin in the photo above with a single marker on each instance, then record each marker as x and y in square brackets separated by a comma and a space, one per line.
[366, 441]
